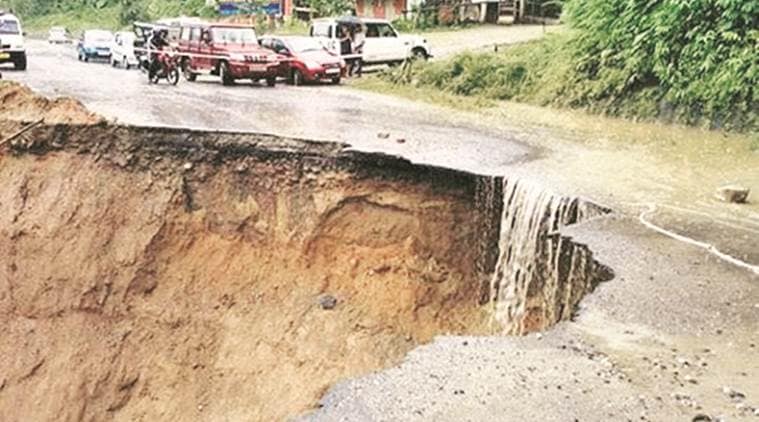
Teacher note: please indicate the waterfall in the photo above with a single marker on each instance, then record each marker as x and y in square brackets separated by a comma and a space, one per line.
[539, 276]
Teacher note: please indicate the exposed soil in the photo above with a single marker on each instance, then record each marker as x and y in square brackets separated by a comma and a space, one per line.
[166, 274]
[142, 267]
[18, 102]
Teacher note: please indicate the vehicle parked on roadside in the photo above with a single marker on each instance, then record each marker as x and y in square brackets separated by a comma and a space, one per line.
[382, 43]
[122, 51]
[229, 51]
[95, 44]
[308, 60]
[58, 35]
[12, 48]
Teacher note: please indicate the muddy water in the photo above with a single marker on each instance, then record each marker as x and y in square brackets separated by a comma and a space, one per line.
[632, 166]
[540, 276]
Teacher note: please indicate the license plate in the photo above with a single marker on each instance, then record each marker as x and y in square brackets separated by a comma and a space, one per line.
[332, 71]
[5, 56]
[257, 68]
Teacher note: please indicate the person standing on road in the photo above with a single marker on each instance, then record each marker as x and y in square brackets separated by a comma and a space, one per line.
[358, 51]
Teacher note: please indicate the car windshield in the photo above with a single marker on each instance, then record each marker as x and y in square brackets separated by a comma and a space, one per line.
[234, 35]
[9, 27]
[99, 37]
[302, 45]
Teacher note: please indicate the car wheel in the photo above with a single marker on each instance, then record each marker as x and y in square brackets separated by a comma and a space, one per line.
[20, 64]
[187, 72]
[336, 80]
[226, 77]
[271, 81]
[419, 53]
[297, 77]
[86, 58]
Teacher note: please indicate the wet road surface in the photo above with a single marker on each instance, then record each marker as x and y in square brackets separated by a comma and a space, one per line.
[367, 121]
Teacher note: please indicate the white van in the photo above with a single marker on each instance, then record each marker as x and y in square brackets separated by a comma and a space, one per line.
[122, 51]
[12, 41]
[382, 43]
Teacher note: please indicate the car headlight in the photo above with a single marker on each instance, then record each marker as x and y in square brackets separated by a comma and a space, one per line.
[312, 64]
[237, 57]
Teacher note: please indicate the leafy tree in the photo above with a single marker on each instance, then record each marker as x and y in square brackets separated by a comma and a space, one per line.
[331, 7]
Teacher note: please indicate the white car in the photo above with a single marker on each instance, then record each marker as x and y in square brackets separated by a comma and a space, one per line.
[58, 35]
[382, 43]
[12, 41]
[122, 51]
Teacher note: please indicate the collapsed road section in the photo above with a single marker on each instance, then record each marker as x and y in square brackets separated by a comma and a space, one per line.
[239, 276]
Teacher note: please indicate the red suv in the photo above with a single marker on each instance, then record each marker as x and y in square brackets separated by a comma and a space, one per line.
[308, 60]
[228, 51]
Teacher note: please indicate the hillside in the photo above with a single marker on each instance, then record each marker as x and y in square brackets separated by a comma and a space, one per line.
[111, 14]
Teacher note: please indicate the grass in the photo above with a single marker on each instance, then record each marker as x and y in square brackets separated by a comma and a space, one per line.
[75, 22]
[545, 73]
[578, 125]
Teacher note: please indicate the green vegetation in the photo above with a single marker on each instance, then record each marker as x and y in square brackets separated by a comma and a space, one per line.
[692, 61]
[76, 15]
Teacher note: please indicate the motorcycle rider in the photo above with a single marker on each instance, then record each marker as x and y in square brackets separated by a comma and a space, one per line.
[157, 42]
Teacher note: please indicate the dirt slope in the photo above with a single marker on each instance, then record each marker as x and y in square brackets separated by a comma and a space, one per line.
[166, 275]
[18, 102]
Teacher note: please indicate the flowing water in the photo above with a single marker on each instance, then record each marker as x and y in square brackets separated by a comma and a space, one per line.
[540, 275]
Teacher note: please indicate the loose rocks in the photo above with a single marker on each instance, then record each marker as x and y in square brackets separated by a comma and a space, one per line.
[733, 193]
[327, 302]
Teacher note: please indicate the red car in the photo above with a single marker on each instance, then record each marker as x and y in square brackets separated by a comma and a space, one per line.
[229, 51]
[308, 60]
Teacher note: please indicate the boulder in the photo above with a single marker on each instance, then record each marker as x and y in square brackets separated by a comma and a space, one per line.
[733, 193]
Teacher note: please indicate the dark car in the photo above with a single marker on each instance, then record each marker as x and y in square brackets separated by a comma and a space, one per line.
[308, 60]
[229, 51]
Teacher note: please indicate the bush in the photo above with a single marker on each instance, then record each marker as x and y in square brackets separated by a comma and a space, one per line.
[692, 61]
[697, 58]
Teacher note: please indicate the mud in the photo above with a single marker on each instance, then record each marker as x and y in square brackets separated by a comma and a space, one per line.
[18, 102]
[168, 274]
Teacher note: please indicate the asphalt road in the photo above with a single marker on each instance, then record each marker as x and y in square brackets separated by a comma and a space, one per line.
[334, 113]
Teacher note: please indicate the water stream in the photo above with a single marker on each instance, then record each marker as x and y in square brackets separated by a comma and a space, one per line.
[540, 276]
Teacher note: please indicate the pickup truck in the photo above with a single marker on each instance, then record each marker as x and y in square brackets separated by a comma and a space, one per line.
[229, 51]
[12, 41]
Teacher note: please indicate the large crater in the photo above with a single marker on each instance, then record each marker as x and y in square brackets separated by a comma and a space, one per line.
[161, 274]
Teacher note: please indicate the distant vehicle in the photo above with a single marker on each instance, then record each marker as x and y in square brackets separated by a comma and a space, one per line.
[122, 51]
[95, 44]
[382, 43]
[309, 60]
[58, 35]
[142, 31]
[12, 41]
[229, 51]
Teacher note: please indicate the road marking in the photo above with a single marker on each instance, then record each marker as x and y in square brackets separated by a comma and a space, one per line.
[703, 245]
